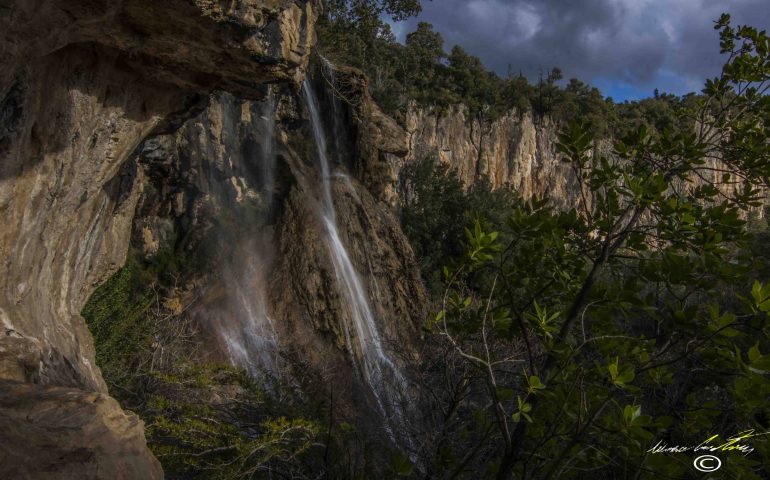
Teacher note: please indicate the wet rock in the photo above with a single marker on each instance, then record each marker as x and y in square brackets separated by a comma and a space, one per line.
[82, 84]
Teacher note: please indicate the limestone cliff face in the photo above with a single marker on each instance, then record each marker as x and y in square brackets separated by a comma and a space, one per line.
[270, 289]
[515, 149]
[82, 84]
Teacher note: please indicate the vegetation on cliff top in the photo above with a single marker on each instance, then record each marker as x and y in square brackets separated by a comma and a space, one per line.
[353, 33]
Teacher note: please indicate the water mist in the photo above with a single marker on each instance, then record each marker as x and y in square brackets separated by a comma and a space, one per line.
[244, 325]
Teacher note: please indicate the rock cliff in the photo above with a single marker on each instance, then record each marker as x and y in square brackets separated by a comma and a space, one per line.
[214, 187]
[517, 150]
[82, 84]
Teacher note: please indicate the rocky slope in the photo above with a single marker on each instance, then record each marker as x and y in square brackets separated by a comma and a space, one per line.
[82, 84]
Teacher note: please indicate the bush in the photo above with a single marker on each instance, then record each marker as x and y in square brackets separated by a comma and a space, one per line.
[203, 420]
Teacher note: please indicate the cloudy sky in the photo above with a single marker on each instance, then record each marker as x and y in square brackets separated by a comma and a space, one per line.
[624, 47]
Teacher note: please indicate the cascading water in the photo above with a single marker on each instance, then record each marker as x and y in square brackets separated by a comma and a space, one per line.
[338, 131]
[266, 124]
[243, 322]
[362, 337]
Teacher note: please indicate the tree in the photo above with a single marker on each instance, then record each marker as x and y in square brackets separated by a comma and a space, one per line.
[517, 93]
[584, 328]
[353, 30]
[478, 88]
[547, 91]
[424, 53]
[583, 103]
[366, 10]
[432, 214]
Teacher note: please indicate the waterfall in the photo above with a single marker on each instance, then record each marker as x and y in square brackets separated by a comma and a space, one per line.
[245, 327]
[362, 337]
[320, 141]
[266, 125]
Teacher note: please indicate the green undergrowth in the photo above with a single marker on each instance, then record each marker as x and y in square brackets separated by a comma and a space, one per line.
[117, 316]
[213, 421]
[202, 419]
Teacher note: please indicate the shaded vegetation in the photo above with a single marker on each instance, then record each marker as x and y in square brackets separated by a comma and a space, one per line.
[210, 421]
[568, 343]
[436, 207]
[203, 419]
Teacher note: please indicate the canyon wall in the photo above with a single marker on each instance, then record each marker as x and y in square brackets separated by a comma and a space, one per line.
[213, 188]
[82, 84]
[516, 150]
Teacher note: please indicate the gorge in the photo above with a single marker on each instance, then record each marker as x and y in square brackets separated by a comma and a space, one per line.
[209, 271]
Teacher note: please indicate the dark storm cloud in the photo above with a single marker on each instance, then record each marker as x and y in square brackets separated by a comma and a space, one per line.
[639, 44]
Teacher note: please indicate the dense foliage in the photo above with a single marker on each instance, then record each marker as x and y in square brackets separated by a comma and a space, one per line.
[574, 341]
[203, 419]
[436, 206]
[420, 70]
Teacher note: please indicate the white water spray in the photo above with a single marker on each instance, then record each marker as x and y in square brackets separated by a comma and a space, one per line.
[245, 326]
[362, 337]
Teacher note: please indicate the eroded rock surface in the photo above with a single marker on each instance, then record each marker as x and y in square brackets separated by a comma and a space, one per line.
[516, 149]
[56, 432]
[235, 46]
[209, 187]
[306, 290]
[82, 84]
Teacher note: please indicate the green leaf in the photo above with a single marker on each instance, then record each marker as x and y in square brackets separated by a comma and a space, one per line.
[761, 295]
[762, 364]
[626, 377]
[754, 353]
[535, 384]
[631, 413]
[620, 377]
[401, 465]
